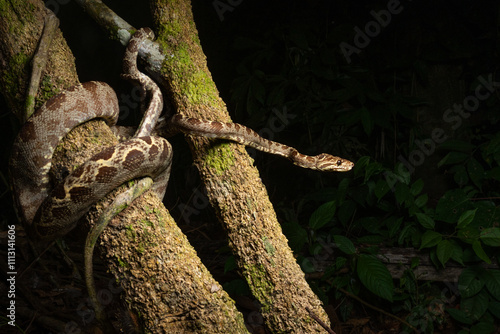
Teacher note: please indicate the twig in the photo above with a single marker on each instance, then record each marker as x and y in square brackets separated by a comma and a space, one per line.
[378, 309]
[320, 322]
[121, 30]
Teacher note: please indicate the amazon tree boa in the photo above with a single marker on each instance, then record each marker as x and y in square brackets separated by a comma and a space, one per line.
[49, 213]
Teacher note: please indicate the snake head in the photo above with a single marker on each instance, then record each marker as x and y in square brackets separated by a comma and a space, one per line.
[329, 163]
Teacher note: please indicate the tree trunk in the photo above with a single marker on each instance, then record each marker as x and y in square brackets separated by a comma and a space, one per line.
[163, 279]
[233, 184]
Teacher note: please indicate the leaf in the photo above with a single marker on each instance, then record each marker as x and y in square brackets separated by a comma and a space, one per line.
[296, 235]
[393, 225]
[453, 158]
[494, 308]
[424, 220]
[323, 215]
[417, 187]
[490, 236]
[375, 276]
[444, 250]
[402, 192]
[430, 239]
[421, 200]
[381, 189]
[468, 234]
[483, 327]
[344, 244]
[476, 305]
[451, 206]
[470, 282]
[466, 218]
[476, 172]
[459, 315]
[460, 175]
[478, 249]
[457, 254]
[492, 282]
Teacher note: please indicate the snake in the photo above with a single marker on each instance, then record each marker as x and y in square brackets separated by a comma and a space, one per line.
[50, 212]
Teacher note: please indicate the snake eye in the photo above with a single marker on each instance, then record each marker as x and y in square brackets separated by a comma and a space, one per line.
[339, 162]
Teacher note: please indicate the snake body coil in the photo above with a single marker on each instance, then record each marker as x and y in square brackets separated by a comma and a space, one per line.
[47, 213]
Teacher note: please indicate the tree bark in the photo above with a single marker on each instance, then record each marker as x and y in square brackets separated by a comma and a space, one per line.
[163, 279]
[233, 184]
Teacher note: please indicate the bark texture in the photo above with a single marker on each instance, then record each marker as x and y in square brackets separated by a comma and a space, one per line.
[233, 184]
[163, 279]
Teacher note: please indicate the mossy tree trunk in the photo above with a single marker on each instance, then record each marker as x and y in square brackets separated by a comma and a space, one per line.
[163, 279]
[233, 185]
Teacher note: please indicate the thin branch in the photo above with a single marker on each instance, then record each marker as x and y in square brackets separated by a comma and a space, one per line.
[319, 321]
[378, 309]
[121, 30]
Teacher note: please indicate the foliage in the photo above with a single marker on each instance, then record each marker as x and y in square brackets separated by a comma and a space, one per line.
[356, 112]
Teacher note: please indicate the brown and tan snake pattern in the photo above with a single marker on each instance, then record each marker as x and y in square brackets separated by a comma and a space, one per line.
[49, 213]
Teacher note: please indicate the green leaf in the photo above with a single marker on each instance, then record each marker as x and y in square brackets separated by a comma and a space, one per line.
[476, 172]
[483, 327]
[421, 200]
[490, 236]
[375, 276]
[451, 206]
[494, 308]
[460, 175]
[430, 239]
[381, 188]
[344, 244]
[444, 250]
[457, 254]
[468, 234]
[296, 235]
[323, 215]
[402, 192]
[393, 225]
[459, 315]
[466, 218]
[478, 249]
[346, 211]
[403, 174]
[476, 305]
[470, 282]
[417, 187]
[424, 220]
[492, 282]
[453, 158]
[373, 168]
[407, 234]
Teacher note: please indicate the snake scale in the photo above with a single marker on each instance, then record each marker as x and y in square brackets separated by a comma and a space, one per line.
[49, 213]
